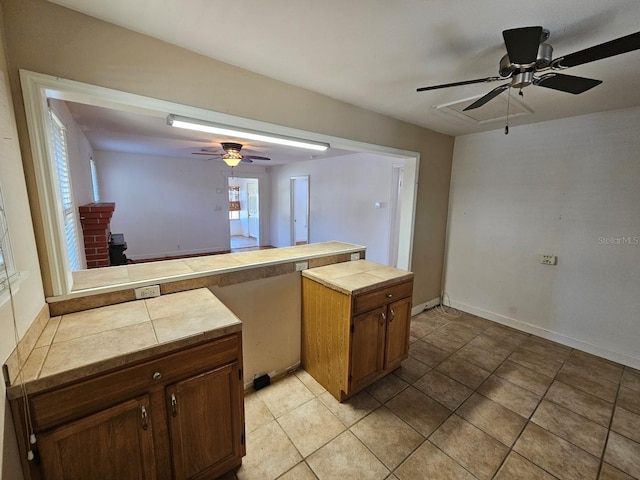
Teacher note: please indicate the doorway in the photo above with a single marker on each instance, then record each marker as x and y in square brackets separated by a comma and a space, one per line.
[244, 216]
[300, 210]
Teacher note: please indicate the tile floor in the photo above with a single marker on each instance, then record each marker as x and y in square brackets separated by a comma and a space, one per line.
[474, 400]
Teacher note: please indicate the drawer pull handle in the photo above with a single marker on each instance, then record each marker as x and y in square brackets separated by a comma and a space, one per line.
[392, 315]
[144, 418]
[389, 295]
[157, 376]
[174, 405]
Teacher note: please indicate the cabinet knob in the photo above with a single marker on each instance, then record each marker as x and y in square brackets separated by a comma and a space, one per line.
[157, 376]
[389, 295]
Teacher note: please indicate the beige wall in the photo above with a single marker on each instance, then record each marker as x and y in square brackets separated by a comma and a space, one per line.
[47, 38]
[50, 39]
[270, 330]
[28, 295]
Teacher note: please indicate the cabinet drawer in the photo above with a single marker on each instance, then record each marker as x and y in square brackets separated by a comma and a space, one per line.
[88, 396]
[369, 301]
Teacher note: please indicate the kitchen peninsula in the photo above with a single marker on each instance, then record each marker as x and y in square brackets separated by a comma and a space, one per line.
[220, 321]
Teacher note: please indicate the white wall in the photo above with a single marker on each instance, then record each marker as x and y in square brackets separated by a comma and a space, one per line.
[28, 299]
[343, 192]
[168, 206]
[566, 187]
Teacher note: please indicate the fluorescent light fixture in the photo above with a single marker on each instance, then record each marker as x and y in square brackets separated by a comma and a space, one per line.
[208, 127]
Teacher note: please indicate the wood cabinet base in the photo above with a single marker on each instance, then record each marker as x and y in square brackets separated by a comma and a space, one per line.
[179, 416]
[351, 341]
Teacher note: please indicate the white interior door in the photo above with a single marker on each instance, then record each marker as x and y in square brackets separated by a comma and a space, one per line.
[396, 210]
[253, 209]
[300, 210]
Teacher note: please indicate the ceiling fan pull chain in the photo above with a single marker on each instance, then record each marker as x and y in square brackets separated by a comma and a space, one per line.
[506, 127]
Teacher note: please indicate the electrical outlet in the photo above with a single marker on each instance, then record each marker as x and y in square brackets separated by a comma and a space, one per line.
[355, 256]
[301, 266]
[147, 292]
[546, 259]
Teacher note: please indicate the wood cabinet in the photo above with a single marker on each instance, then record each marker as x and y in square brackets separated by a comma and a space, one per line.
[118, 439]
[204, 431]
[351, 340]
[178, 416]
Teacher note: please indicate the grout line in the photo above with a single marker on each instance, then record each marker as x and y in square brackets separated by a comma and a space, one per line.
[411, 384]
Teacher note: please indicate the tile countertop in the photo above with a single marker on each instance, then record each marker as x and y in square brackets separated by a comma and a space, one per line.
[90, 282]
[80, 344]
[353, 278]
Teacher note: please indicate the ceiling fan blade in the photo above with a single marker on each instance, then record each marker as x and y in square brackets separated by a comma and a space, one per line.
[522, 44]
[246, 159]
[612, 48]
[457, 84]
[489, 96]
[256, 157]
[566, 83]
[205, 153]
[212, 156]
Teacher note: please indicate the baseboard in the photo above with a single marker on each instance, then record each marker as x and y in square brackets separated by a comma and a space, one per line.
[274, 376]
[421, 307]
[550, 335]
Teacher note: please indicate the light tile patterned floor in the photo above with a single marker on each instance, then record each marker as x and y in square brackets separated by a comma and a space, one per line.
[475, 400]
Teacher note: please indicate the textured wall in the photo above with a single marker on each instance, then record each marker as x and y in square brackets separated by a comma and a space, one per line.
[570, 189]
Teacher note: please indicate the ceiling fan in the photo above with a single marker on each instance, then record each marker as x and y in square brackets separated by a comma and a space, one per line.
[231, 155]
[529, 61]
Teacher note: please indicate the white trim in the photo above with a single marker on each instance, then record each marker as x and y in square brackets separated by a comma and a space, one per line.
[37, 87]
[37, 113]
[550, 335]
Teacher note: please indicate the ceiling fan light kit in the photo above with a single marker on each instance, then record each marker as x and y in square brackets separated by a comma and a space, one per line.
[528, 57]
[231, 156]
[219, 129]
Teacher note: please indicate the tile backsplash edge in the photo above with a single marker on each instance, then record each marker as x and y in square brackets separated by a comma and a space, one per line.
[12, 366]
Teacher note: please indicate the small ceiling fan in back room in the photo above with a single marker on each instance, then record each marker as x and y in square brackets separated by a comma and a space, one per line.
[231, 155]
[529, 61]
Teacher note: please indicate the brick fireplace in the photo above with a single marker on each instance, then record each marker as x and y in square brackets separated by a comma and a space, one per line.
[95, 219]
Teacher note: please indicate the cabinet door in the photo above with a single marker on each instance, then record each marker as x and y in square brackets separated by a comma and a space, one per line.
[367, 347]
[205, 417]
[397, 341]
[114, 443]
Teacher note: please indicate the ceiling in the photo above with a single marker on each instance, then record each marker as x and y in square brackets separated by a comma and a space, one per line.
[375, 53]
[127, 132]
